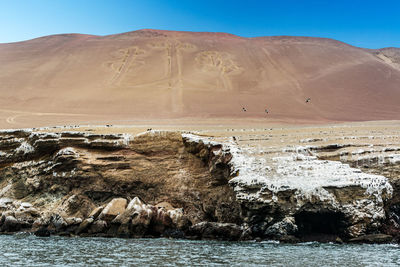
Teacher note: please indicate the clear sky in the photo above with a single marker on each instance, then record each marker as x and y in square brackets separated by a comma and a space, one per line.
[364, 23]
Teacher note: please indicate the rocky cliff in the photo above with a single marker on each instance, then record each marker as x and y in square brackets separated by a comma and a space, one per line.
[190, 186]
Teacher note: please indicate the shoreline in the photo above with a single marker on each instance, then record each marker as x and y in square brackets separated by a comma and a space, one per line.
[248, 182]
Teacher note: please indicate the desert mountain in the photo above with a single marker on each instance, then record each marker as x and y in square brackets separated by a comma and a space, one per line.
[153, 74]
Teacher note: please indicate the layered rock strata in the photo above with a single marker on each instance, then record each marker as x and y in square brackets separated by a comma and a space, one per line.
[298, 194]
[189, 186]
[152, 184]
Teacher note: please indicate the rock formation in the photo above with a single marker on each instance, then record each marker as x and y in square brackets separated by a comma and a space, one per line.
[115, 185]
[189, 186]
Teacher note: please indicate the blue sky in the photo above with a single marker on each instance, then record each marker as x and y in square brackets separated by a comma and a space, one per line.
[363, 23]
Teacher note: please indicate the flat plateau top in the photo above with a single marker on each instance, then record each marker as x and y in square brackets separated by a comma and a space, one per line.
[264, 135]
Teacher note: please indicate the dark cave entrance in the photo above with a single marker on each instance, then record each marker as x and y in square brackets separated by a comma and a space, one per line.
[320, 226]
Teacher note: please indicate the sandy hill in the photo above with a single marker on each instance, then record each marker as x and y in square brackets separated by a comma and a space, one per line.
[152, 74]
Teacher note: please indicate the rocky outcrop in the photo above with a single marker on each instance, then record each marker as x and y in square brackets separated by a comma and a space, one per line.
[377, 155]
[188, 186]
[151, 184]
[214, 230]
[298, 193]
[303, 187]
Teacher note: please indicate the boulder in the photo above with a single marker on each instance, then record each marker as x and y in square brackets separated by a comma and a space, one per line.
[40, 222]
[96, 212]
[25, 205]
[84, 226]
[135, 206]
[70, 221]
[114, 208]
[57, 223]
[160, 222]
[5, 202]
[25, 217]
[285, 227]
[98, 226]
[10, 224]
[136, 219]
[42, 232]
[178, 218]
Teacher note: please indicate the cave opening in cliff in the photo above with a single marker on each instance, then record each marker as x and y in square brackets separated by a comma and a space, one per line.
[320, 225]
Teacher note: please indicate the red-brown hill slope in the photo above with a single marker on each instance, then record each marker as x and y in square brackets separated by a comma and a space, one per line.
[151, 74]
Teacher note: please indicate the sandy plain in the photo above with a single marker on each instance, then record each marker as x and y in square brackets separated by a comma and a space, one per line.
[265, 136]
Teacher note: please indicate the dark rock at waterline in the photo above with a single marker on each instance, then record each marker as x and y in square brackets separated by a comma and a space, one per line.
[42, 232]
[66, 234]
[84, 225]
[290, 239]
[98, 226]
[338, 240]
[372, 239]
[174, 233]
[213, 230]
[11, 224]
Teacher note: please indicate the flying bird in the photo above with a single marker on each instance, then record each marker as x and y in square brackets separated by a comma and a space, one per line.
[308, 100]
[244, 109]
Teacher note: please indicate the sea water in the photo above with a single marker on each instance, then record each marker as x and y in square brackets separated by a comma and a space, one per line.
[28, 250]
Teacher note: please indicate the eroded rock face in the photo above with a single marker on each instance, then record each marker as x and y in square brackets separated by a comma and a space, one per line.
[183, 185]
[299, 194]
[297, 184]
[89, 184]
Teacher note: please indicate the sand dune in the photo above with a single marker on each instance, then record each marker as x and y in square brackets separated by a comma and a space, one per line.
[158, 75]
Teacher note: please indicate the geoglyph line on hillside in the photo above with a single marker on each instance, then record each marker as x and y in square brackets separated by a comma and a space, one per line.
[282, 70]
[129, 58]
[221, 63]
[174, 71]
